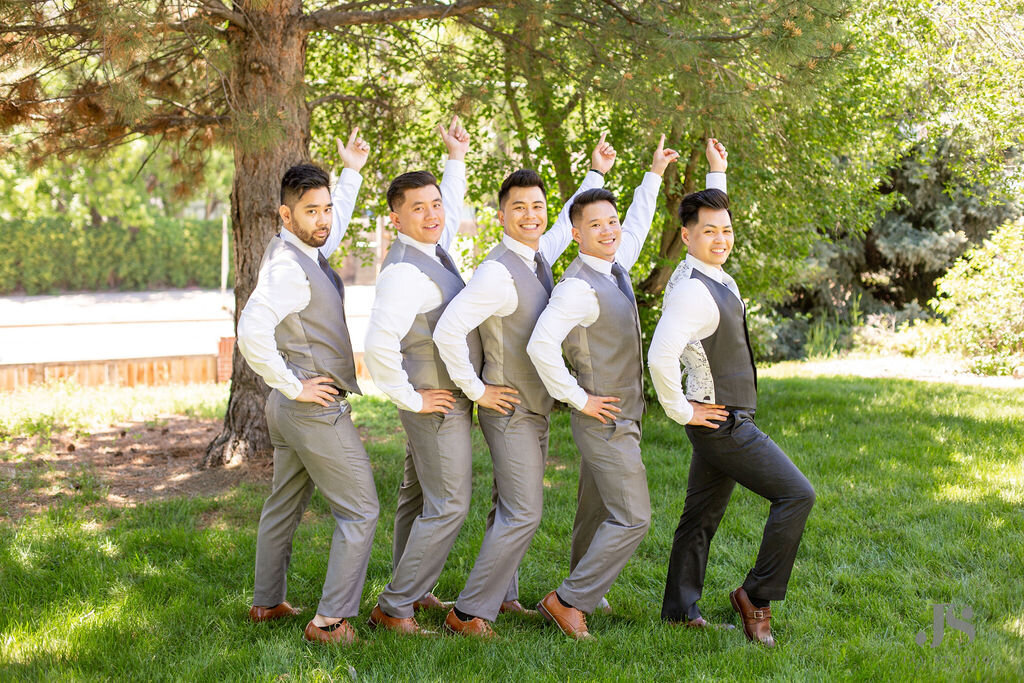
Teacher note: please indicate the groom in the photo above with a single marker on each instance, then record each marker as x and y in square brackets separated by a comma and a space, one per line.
[703, 324]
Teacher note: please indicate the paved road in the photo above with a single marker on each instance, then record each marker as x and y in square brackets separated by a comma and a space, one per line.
[117, 325]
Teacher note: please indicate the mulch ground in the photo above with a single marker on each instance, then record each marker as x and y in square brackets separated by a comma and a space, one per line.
[120, 465]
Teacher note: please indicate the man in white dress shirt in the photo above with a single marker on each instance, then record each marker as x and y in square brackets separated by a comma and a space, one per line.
[703, 325]
[293, 333]
[417, 281]
[503, 299]
[593, 314]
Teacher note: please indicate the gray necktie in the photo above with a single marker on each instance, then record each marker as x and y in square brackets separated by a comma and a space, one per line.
[331, 275]
[544, 272]
[623, 281]
[447, 262]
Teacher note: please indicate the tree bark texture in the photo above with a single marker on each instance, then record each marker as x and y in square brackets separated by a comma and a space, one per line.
[269, 61]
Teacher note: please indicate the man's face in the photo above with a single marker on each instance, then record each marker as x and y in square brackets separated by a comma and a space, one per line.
[598, 231]
[711, 239]
[420, 214]
[310, 218]
[524, 215]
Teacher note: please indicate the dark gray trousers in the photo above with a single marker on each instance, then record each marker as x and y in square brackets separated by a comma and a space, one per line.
[737, 451]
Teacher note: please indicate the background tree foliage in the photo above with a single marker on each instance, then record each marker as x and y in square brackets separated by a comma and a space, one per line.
[816, 100]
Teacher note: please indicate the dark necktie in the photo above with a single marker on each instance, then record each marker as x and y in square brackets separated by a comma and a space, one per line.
[623, 281]
[544, 272]
[331, 275]
[447, 262]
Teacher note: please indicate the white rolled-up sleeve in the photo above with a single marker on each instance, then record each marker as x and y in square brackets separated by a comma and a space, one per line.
[282, 289]
[573, 302]
[491, 291]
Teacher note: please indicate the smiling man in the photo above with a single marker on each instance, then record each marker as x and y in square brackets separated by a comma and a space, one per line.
[503, 299]
[293, 333]
[593, 311]
[703, 325]
[417, 281]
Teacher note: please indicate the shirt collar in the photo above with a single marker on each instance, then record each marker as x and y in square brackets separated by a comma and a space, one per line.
[289, 237]
[523, 251]
[598, 264]
[716, 274]
[428, 249]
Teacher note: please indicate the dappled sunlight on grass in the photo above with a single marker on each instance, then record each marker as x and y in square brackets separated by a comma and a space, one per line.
[918, 503]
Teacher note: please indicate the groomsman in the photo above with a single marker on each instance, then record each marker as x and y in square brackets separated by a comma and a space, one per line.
[593, 311]
[417, 281]
[703, 324]
[503, 300]
[293, 333]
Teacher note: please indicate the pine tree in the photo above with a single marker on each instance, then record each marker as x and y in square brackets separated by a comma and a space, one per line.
[81, 76]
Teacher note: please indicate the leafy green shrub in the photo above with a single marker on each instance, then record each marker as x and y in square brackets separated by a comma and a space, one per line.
[48, 255]
[982, 299]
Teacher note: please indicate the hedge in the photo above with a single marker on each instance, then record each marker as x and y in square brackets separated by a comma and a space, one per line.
[47, 256]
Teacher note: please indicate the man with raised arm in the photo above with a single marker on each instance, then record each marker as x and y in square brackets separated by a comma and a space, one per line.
[703, 325]
[293, 333]
[593, 316]
[503, 300]
[417, 280]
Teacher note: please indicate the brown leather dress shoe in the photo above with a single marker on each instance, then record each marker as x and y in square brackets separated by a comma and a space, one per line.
[258, 614]
[340, 633]
[571, 620]
[431, 601]
[475, 627]
[407, 626]
[515, 607]
[756, 620]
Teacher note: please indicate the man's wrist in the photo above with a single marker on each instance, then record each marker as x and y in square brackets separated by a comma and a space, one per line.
[600, 173]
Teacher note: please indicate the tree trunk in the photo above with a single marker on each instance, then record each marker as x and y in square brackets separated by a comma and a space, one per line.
[674, 189]
[272, 121]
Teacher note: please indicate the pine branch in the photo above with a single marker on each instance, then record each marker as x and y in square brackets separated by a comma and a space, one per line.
[334, 17]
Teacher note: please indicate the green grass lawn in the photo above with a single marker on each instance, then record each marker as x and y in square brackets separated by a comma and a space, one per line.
[920, 501]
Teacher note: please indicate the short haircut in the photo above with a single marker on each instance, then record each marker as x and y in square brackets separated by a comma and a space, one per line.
[413, 180]
[689, 208]
[300, 179]
[597, 194]
[524, 177]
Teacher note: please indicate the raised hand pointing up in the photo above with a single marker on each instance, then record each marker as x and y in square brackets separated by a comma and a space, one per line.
[456, 139]
[603, 157]
[354, 153]
[663, 157]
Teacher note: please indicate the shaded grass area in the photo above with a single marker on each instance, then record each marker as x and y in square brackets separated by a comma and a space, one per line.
[920, 501]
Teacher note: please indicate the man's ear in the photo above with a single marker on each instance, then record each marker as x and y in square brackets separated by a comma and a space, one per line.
[576, 235]
[286, 214]
[501, 218]
[685, 234]
[394, 221]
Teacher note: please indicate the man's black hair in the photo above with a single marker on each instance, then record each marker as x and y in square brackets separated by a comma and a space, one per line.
[300, 179]
[412, 180]
[692, 203]
[524, 177]
[592, 196]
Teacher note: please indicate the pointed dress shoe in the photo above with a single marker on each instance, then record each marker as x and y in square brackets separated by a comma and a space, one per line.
[571, 620]
[756, 620]
[431, 601]
[474, 628]
[260, 614]
[340, 633]
[406, 626]
[515, 607]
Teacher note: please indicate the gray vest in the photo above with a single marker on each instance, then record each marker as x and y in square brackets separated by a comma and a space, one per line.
[504, 339]
[315, 341]
[728, 349]
[420, 358]
[607, 357]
